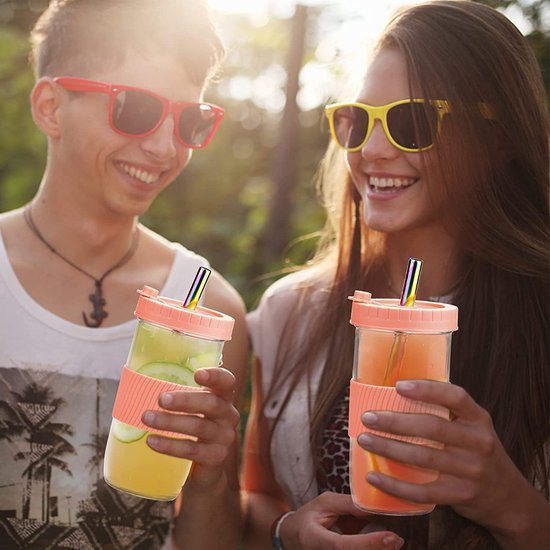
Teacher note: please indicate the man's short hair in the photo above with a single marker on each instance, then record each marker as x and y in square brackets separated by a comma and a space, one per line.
[79, 37]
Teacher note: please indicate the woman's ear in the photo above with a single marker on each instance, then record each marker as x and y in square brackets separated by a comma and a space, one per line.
[45, 102]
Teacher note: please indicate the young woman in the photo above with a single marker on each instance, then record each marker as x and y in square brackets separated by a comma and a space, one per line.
[445, 159]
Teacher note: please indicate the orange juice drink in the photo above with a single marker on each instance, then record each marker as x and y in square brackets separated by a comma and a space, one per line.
[394, 343]
[169, 345]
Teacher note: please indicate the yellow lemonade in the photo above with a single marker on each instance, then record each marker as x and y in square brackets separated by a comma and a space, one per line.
[130, 464]
[135, 468]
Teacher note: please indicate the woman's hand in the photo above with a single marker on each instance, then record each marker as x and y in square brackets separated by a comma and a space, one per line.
[309, 527]
[476, 476]
[214, 429]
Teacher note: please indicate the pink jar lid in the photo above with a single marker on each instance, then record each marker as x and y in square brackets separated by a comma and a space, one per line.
[170, 313]
[387, 314]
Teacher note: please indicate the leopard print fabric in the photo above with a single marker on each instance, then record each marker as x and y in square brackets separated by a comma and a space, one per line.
[334, 459]
[334, 477]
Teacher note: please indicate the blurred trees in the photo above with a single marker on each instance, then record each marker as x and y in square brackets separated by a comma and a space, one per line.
[250, 193]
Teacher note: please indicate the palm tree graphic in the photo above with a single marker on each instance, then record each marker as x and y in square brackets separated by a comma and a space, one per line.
[30, 415]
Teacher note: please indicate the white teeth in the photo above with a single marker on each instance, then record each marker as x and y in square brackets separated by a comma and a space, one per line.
[390, 182]
[140, 174]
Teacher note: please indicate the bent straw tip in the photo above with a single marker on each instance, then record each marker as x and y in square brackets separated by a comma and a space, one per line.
[197, 288]
[410, 284]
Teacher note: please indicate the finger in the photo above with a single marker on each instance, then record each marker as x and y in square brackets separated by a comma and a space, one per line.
[206, 454]
[220, 381]
[380, 540]
[427, 426]
[199, 427]
[445, 490]
[453, 397]
[408, 453]
[453, 461]
[402, 489]
[338, 505]
[200, 402]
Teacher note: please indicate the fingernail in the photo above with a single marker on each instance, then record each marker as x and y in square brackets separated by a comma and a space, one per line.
[153, 440]
[166, 399]
[365, 440]
[202, 376]
[405, 385]
[393, 541]
[373, 478]
[370, 418]
[148, 417]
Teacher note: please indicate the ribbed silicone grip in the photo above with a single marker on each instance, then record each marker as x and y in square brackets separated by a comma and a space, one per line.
[366, 397]
[138, 393]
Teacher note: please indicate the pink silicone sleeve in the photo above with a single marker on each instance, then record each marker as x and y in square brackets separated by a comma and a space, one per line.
[138, 393]
[366, 397]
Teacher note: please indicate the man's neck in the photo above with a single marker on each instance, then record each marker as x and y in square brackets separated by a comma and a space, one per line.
[88, 236]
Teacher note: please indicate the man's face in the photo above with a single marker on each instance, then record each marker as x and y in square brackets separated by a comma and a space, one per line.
[106, 169]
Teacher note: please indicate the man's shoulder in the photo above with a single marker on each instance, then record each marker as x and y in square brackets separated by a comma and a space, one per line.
[222, 296]
[7, 218]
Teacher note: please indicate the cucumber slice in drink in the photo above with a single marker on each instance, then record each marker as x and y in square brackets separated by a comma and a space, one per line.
[169, 372]
[202, 360]
[126, 433]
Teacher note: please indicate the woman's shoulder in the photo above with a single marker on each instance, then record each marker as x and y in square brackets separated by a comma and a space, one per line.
[291, 297]
[299, 284]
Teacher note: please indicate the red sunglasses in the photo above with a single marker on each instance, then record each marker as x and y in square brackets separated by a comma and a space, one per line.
[135, 112]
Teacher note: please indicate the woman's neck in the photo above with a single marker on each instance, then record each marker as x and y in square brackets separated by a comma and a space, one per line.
[440, 263]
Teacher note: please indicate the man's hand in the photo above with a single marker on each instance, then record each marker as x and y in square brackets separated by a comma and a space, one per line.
[211, 418]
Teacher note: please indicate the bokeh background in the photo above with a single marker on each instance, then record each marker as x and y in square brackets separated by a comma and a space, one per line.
[248, 201]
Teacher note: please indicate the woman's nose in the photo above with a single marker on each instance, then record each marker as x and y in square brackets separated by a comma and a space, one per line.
[378, 145]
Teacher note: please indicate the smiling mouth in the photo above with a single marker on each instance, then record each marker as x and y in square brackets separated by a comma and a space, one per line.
[389, 184]
[140, 174]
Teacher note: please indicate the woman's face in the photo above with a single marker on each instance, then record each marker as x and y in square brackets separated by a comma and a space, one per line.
[391, 182]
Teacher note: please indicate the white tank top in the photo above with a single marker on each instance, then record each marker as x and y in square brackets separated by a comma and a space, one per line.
[58, 381]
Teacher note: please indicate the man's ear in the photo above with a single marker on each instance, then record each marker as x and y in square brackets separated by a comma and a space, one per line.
[45, 103]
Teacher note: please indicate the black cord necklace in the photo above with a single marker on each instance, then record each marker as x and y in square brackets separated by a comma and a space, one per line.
[99, 312]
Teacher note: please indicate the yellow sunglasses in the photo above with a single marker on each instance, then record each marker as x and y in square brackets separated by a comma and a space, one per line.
[411, 125]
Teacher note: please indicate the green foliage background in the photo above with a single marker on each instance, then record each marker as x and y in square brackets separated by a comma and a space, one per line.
[220, 204]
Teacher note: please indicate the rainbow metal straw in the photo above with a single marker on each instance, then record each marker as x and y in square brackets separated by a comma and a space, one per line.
[410, 285]
[408, 297]
[195, 292]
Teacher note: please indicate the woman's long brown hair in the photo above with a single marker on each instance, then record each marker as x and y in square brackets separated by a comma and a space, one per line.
[496, 175]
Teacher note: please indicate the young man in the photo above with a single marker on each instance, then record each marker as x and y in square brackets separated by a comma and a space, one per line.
[119, 98]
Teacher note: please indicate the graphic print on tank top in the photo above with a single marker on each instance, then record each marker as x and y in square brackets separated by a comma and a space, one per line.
[53, 431]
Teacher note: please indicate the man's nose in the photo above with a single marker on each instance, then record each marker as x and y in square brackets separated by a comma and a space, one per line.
[162, 143]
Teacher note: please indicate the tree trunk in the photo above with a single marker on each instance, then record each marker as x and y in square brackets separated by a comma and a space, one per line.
[277, 231]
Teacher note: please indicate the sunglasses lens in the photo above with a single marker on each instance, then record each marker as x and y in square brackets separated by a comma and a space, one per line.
[350, 126]
[136, 112]
[413, 125]
[196, 124]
